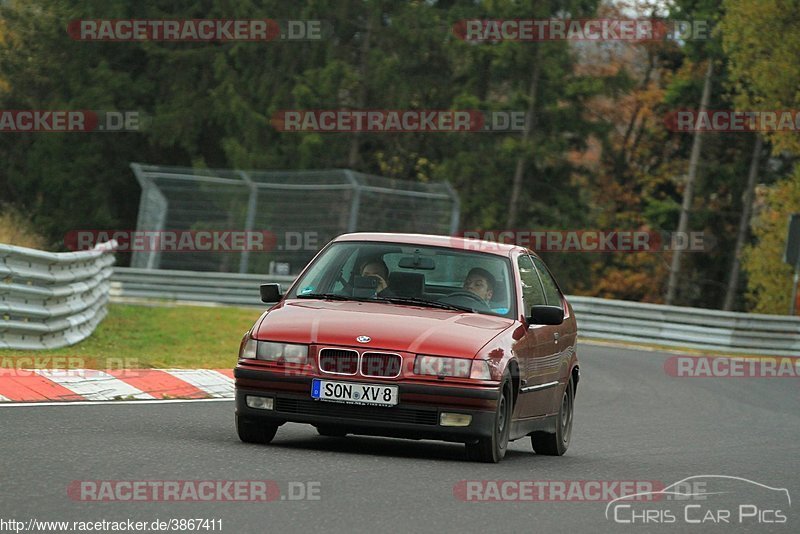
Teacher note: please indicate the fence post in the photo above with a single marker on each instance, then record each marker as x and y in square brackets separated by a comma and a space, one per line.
[252, 203]
[455, 213]
[352, 224]
[153, 206]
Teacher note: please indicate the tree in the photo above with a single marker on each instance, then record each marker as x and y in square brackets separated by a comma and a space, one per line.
[762, 43]
[769, 279]
[688, 192]
[744, 224]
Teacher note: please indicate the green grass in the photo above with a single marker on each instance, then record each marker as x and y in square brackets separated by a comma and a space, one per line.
[151, 337]
[199, 337]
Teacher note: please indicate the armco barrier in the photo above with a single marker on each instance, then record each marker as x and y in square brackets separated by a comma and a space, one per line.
[695, 328]
[602, 319]
[221, 288]
[49, 299]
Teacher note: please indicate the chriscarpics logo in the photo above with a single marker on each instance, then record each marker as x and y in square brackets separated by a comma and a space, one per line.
[705, 500]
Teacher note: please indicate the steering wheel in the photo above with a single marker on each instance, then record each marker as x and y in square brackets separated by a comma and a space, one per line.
[469, 294]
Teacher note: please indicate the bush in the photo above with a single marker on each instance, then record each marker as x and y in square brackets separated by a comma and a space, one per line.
[17, 229]
[769, 280]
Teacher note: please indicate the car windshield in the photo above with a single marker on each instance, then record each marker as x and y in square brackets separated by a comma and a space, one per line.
[410, 274]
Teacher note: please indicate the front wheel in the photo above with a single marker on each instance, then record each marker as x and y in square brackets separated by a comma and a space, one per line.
[492, 449]
[254, 431]
[556, 444]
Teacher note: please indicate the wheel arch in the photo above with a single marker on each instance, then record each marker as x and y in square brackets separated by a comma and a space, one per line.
[513, 368]
[575, 374]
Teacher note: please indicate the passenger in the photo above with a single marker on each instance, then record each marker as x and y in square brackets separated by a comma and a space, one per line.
[481, 283]
[377, 268]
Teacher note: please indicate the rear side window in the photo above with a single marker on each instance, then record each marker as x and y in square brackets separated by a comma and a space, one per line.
[551, 292]
[532, 294]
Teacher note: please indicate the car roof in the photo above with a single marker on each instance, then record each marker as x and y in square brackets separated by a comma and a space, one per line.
[459, 243]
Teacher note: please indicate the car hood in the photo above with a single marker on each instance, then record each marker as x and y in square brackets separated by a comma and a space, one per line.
[392, 327]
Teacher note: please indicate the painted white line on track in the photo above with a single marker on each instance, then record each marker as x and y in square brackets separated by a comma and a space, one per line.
[93, 385]
[105, 403]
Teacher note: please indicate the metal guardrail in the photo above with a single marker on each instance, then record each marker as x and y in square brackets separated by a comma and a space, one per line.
[50, 300]
[694, 328]
[191, 286]
[601, 319]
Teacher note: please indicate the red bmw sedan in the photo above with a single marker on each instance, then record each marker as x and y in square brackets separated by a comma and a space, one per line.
[415, 336]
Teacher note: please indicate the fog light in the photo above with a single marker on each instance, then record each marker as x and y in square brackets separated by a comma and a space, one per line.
[260, 403]
[454, 419]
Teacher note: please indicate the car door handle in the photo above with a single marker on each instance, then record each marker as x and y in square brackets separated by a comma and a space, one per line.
[555, 336]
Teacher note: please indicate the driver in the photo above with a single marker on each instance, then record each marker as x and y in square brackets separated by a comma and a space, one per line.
[480, 282]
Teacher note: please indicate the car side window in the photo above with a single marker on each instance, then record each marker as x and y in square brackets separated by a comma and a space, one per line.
[551, 291]
[532, 294]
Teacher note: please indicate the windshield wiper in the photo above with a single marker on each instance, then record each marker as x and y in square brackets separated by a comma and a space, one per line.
[393, 300]
[327, 296]
[423, 302]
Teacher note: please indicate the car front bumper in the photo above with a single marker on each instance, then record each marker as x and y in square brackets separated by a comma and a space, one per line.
[416, 416]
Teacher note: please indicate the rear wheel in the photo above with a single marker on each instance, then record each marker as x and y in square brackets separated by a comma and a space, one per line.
[492, 449]
[331, 432]
[254, 431]
[556, 444]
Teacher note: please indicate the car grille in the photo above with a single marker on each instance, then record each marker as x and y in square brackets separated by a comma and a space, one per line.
[353, 411]
[378, 364]
[339, 361]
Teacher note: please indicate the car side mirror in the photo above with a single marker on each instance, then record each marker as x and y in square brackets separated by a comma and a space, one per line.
[270, 293]
[548, 315]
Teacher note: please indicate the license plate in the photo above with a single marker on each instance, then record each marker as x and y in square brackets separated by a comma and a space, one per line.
[353, 392]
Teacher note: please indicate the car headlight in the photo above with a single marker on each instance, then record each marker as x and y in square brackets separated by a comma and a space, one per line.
[455, 367]
[249, 349]
[274, 352]
[480, 370]
[441, 366]
[282, 352]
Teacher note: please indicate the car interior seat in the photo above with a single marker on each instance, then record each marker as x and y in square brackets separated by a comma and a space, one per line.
[499, 295]
[407, 284]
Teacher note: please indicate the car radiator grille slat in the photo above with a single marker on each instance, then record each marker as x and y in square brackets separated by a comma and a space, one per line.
[352, 411]
[338, 361]
[380, 364]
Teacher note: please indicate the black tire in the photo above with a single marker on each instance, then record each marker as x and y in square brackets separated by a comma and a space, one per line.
[254, 431]
[557, 444]
[492, 449]
[331, 432]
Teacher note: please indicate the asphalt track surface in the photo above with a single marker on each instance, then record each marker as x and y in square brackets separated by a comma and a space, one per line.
[632, 422]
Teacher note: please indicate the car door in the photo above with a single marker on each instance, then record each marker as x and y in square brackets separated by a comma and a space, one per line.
[535, 349]
[564, 335]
